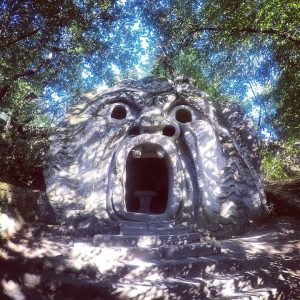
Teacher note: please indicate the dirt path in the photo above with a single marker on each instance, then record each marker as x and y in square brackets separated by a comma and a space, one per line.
[43, 263]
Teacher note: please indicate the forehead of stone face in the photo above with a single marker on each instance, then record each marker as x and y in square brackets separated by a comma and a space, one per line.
[142, 93]
[139, 95]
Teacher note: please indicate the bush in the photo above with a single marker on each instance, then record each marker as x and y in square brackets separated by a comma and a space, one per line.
[280, 160]
[22, 157]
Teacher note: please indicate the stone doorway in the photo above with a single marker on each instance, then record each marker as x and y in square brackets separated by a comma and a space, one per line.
[147, 184]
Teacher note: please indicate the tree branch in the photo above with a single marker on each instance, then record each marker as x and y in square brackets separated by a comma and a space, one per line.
[21, 37]
[11, 10]
[31, 33]
[5, 87]
[268, 31]
[29, 72]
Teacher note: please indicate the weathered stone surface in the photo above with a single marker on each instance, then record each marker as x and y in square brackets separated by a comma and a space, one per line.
[25, 205]
[153, 150]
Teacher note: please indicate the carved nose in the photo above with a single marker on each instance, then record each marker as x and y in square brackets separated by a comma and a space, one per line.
[149, 121]
[169, 130]
[164, 129]
[151, 117]
[152, 121]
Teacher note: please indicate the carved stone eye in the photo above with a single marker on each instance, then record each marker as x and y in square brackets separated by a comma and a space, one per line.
[119, 112]
[183, 115]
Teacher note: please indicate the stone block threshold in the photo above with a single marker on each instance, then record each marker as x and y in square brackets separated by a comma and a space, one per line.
[43, 262]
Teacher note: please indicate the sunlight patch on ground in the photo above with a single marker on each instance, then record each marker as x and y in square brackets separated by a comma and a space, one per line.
[42, 248]
[4, 254]
[13, 290]
[266, 243]
[105, 259]
[142, 291]
[31, 280]
[8, 226]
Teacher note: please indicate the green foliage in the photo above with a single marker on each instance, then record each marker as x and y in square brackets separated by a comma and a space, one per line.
[189, 62]
[238, 44]
[273, 166]
[22, 158]
[278, 162]
[49, 47]
[227, 47]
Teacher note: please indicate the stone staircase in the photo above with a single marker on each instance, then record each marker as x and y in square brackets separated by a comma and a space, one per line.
[152, 228]
[158, 265]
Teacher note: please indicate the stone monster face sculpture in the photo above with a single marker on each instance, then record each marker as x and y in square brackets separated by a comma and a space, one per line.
[153, 150]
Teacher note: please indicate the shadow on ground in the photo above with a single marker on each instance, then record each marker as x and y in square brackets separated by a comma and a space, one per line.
[43, 262]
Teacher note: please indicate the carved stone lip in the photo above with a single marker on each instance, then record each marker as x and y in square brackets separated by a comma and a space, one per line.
[116, 195]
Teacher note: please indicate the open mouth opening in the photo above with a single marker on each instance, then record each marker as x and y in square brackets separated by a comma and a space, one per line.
[147, 180]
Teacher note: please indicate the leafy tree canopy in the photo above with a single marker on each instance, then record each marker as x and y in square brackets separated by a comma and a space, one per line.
[248, 50]
[53, 51]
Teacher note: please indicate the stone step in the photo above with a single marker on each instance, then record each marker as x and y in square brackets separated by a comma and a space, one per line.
[191, 250]
[105, 240]
[172, 251]
[49, 285]
[179, 288]
[219, 286]
[229, 283]
[152, 224]
[86, 275]
[213, 276]
[93, 262]
[143, 230]
[160, 289]
[201, 266]
[141, 261]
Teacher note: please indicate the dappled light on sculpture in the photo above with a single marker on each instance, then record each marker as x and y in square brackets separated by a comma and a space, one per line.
[154, 150]
[145, 179]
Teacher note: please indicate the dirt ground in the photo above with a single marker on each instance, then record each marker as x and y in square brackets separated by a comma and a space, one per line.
[41, 262]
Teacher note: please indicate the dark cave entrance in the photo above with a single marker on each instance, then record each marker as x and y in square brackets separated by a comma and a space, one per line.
[146, 184]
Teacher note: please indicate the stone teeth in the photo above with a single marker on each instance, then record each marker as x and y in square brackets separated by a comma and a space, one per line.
[160, 153]
[136, 153]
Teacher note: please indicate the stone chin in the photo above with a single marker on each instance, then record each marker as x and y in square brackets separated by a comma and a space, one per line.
[153, 150]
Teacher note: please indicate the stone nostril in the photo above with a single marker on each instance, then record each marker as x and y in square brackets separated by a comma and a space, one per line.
[169, 130]
[134, 130]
